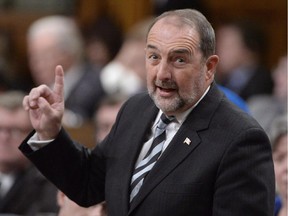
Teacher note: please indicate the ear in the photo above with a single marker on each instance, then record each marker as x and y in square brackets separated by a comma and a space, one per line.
[211, 64]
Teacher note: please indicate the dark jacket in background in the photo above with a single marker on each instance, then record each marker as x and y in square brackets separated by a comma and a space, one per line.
[30, 194]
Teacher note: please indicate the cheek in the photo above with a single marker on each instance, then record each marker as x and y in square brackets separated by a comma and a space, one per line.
[279, 168]
[150, 73]
[184, 81]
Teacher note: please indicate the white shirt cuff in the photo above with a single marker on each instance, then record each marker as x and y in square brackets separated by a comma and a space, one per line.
[36, 144]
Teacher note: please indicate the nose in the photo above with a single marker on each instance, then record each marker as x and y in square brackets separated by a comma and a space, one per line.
[164, 71]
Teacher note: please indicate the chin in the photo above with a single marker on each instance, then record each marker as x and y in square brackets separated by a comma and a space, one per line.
[168, 105]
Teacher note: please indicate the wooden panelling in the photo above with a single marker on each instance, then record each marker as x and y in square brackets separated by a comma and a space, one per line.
[124, 12]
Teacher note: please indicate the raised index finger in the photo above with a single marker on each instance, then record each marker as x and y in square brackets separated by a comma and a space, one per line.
[58, 88]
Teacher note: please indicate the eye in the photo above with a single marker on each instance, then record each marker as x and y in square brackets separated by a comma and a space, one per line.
[180, 60]
[153, 57]
[279, 158]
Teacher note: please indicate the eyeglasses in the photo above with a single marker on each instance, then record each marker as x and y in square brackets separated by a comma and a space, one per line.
[14, 132]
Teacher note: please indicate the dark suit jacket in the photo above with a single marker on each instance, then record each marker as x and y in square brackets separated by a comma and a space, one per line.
[30, 194]
[227, 169]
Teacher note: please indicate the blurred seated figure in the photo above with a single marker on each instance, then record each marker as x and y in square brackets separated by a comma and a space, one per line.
[278, 136]
[241, 48]
[70, 208]
[56, 40]
[125, 75]
[23, 190]
[265, 108]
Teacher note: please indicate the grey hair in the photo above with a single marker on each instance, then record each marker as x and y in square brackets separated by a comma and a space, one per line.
[63, 28]
[12, 100]
[197, 20]
[278, 129]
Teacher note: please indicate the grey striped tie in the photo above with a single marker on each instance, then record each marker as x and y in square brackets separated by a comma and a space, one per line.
[146, 164]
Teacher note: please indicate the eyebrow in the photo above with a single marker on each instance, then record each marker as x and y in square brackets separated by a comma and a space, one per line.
[181, 51]
[149, 46]
[177, 51]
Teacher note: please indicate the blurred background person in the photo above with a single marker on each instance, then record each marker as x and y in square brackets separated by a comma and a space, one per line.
[278, 136]
[105, 116]
[103, 40]
[266, 107]
[125, 75]
[241, 46]
[57, 40]
[23, 190]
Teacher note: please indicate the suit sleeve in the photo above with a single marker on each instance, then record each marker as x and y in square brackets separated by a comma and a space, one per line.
[245, 179]
[68, 165]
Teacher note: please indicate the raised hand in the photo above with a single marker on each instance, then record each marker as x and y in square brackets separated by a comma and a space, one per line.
[46, 107]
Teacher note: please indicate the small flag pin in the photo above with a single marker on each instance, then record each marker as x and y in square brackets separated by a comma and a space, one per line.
[187, 141]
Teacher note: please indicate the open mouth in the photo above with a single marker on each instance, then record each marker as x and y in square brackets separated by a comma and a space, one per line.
[166, 89]
[165, 92]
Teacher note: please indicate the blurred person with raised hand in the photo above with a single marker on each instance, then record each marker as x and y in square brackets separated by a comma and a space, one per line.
[23, 190]
[279, 141]
[55, 40]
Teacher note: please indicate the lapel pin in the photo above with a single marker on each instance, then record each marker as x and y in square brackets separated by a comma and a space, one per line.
[187, 141]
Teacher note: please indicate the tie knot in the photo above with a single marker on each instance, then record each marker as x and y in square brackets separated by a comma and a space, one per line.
[164, 121]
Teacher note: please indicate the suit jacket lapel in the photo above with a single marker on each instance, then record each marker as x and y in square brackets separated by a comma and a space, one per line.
[178, 149]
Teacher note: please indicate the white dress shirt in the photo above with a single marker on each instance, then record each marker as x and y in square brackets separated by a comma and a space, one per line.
[6, 182]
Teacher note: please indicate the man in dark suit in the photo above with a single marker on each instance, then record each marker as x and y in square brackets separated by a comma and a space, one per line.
[214, 158]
